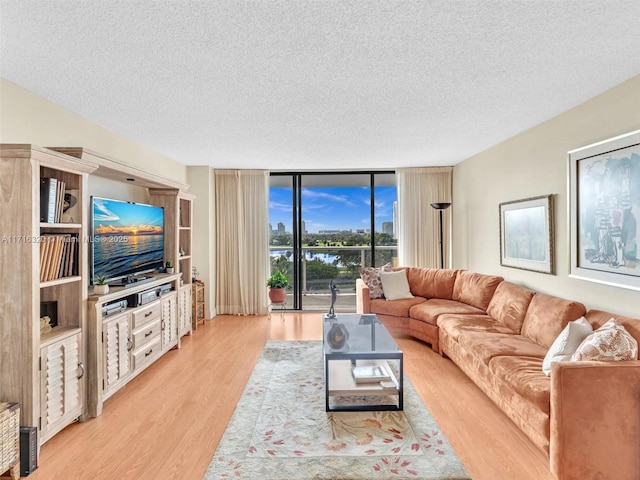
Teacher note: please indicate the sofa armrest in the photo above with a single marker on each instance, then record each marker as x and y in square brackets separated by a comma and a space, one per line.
[363, 299]
[595, 420]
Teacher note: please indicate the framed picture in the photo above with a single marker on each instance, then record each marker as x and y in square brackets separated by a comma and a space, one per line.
[526, 234]
[604, 211]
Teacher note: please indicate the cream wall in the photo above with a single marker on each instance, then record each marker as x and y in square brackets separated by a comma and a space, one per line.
[27, 118]
[202, 184]
[531, 164]
[108, 188]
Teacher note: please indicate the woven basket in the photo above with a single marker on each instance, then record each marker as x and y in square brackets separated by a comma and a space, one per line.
[9, 435]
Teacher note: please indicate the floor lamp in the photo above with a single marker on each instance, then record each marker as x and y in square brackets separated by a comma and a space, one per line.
[441, 207]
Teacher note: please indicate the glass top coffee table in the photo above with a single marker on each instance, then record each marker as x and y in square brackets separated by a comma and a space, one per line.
[362, 363]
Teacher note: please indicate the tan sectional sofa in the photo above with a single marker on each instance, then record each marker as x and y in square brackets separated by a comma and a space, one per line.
[436, 292]
[585, 416]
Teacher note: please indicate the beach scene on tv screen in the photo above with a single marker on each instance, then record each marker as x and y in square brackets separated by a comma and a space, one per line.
[128, 238]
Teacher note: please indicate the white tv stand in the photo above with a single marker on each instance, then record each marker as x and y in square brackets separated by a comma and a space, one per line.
[123, 344]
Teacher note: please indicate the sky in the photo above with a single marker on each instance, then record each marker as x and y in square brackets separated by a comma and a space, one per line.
[116, 217]
[333, 208]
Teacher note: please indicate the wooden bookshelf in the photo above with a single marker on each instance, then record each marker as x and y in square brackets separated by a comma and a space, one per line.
[43, 371]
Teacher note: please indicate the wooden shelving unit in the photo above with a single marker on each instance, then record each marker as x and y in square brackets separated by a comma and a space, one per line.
[114, 342]
[185, 216]
[177, 204]
[43, 372]
[184, 263]
[199, 304]
[177, 248]
[63, 372]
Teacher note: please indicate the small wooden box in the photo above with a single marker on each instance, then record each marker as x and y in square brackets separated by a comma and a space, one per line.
[10, 438]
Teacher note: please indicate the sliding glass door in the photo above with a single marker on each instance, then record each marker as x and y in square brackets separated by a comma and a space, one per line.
[324, 227]
[283, 231]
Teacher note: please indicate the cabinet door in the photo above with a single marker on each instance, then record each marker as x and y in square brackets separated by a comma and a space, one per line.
[169, 320]
[60, 392]
[184, 311]
[117, 343]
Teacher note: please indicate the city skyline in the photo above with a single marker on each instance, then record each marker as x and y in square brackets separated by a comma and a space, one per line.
[334, 208]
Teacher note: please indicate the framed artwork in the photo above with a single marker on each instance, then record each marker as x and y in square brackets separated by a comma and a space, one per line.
[526, 234]
[604, 211]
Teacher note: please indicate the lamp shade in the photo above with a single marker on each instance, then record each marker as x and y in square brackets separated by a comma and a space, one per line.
[441, 205]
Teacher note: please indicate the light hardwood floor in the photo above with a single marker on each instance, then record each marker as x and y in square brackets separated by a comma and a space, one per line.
[167, 422]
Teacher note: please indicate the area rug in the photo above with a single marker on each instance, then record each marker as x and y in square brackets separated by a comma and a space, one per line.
[280, 430]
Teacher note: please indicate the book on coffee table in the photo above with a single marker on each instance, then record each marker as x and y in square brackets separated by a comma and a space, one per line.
[370, 374]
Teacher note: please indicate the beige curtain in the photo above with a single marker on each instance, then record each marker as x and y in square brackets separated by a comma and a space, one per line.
[418, 222]
[242, 239]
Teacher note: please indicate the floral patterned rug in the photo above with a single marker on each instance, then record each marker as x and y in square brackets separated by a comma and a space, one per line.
[280, 429]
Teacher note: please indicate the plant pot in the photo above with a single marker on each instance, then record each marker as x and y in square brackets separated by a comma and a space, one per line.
[277, 295]
[101, 289]
[169, 269]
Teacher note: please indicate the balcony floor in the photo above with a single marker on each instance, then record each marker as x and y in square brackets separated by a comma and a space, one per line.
[320, 302]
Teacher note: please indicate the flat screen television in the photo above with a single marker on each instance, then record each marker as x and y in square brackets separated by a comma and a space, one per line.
[126, 238]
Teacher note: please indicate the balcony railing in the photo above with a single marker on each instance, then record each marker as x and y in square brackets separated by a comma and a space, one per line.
[320, 265]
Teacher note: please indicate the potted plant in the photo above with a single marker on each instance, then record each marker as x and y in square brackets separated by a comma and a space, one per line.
[169, 266]
[278, 283]
[101, 287]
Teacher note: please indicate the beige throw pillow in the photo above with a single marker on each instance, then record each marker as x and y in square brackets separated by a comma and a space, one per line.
[566, 343]
[610, 342]
[371, 277]
[395, 285]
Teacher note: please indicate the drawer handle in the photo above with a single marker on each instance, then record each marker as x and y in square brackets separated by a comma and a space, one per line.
[162, 325]
[129, 344]
[147, 334]
[81, 368]
[147, 314]
[148, 353]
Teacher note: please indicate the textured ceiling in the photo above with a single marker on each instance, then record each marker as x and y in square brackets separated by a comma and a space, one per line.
[311, 84]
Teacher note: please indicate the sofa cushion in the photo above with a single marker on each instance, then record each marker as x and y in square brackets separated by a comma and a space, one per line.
[371, 277]
[524, 375]
[547, 316]
[566, 343]
[455, 324]
[432, 282]
[395, 308]
[430, 310]
[395, 285]
[509, 305]
[610, 342]
[489, 345]
[475, 289]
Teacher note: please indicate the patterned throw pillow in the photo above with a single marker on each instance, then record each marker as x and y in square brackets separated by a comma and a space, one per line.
[371, 277]
[610, 342]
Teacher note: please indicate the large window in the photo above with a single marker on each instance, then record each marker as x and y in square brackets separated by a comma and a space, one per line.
[324, 227]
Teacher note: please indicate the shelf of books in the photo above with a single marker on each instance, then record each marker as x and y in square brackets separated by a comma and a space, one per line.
[58, 256]
[60, 226]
